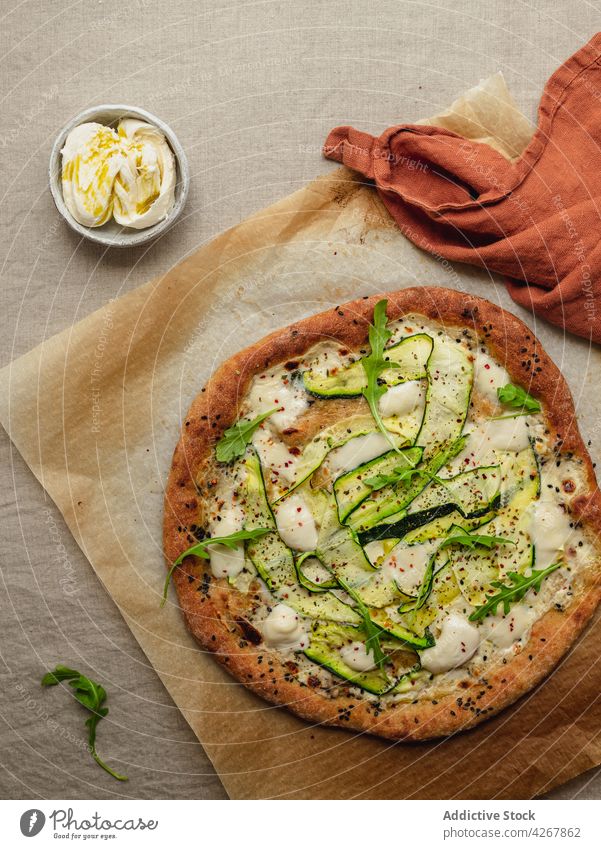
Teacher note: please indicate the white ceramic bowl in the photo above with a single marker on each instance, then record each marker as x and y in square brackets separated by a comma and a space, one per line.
[111, 233]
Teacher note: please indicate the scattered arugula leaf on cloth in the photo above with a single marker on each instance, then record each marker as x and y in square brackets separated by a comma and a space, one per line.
[200, 550]
[514, 591]
[235, 439]
[91, 696]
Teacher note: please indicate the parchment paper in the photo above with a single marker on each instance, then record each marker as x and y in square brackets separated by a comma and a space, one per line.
[96, 410]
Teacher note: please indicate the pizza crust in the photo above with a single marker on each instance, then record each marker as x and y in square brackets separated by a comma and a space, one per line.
[215, 613]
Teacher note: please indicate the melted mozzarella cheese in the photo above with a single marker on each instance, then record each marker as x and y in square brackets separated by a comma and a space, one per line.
[402, 399]
[489, 376]
[508, 434]
[315, 571]
[275, 456]
[457, 642]
[356, 656]
[549, 531]
[406, 565]
[227, 562]
[374, 550]
[278, 392]
[283, 629]
[503, 631]
[355, 452]
[487, 439]
[296, 524]
[326, 359]
[477, 452]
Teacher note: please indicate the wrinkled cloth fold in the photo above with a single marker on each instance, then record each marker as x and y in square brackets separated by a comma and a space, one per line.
[536, 220]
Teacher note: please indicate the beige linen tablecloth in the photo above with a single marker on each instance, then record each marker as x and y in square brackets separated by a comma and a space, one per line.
[251, 91]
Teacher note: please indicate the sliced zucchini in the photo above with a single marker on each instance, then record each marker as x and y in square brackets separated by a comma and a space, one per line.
[380, 592]
[473, 490]
[410, 357]
[412, 681]
[312, 574]
[389, 622]
[393, 588]
[327, 639]
[521, 478]
[475, 570]
[440, 527]
[472, 493]
[345, 382]
[318, 605]
[378, 550]
[339, 551]
[450, 380]
[324, 648]
[320, 446]
[273, 560]
[351, 489]
[407, 425]
[270, 556]
[519, 473]
[393, 499]
[444, 590]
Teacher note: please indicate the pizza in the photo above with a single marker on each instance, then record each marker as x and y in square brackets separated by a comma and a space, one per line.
[383, 517]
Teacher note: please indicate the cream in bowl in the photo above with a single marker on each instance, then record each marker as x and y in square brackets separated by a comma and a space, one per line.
[127, 173]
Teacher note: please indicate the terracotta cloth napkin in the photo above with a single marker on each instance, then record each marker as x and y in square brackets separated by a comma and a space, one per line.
[536, 219]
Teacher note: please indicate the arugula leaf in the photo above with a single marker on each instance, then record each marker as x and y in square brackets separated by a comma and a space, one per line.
[509, 594]
[91, 696]
[399, 475]
[61, 673]
[446, 453]
[200, 550]
[515, 396]
[424, 589]
[374, 364]
[380, 481]
[373, 642]
[472, 540]
[235, 439]
[408, 474]
[460, 537]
